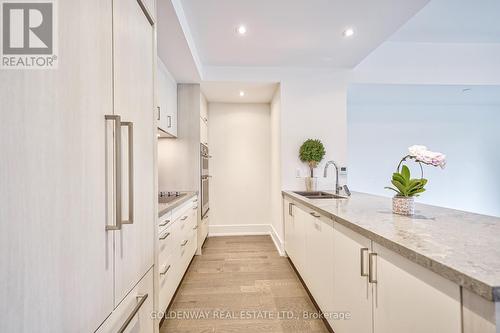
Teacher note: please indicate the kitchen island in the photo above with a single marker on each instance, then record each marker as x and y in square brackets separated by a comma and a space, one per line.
[453, 253]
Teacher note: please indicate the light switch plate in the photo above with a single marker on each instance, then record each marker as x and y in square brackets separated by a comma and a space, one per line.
[343, 170]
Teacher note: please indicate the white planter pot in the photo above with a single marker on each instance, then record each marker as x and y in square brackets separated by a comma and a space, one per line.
[310, 184]
[403, 205]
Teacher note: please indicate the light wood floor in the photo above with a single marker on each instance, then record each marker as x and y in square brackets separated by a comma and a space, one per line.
[236, 274]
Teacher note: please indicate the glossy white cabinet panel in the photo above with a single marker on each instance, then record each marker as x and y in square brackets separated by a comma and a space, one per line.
[167, 101]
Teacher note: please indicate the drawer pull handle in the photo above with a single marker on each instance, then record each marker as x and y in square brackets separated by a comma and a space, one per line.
[165, 271]
[195, 200]
[195, 207]
[165, 236]
[140, 301]
[195, 227]
[184, 218]
[371, 279]
[362, 259]
[184, 243]
[314, 214]
[164, 223]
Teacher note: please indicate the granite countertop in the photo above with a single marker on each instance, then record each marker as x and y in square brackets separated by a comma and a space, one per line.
[166, 207]
[460, 246]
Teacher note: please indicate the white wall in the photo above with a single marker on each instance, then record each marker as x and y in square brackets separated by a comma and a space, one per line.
[239, 137]
[380, 132]
[275, 167]
[313, 105]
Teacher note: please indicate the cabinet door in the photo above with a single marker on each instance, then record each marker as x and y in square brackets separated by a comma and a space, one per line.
[319, 260]
[300, 219]
[167, 100]
[351, 291]
[56, 258]
[139, 302]
[409, 298]
[133, 100]
[290, 232]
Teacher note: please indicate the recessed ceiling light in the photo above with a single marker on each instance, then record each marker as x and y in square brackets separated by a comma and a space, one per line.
[348, 32]
[242, 93]
[241, 30]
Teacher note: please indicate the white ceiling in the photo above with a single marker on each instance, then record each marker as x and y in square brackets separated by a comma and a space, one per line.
[423, 94]
[293, 32]
[229, 92]
[454, 21]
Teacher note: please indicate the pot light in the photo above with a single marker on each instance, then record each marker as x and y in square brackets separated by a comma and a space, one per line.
[348, 32]
[242, 93]
[241, 30]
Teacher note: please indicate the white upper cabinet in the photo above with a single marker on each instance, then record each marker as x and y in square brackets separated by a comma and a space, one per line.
[134, 102]
[167, 102]
[203, 120]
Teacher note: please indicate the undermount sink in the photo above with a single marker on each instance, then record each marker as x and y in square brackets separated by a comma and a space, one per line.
[319, 195]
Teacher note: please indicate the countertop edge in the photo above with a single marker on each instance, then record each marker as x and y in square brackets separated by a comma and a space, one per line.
[177, 203]
[490, 293]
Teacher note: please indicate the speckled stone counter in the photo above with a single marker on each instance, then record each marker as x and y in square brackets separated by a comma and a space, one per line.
[166, 207]
[460, 246]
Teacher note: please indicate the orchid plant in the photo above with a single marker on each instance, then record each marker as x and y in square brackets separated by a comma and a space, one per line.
[404, 185]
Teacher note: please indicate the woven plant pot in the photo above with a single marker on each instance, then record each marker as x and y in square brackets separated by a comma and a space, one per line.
[403, 205]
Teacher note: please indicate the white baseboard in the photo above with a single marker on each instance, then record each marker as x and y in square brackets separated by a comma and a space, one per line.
[278, 242]
[248, 230]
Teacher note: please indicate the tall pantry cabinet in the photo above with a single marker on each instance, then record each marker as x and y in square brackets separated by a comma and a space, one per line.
[70, 167]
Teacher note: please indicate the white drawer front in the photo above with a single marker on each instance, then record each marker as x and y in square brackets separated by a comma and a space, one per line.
[139, 301]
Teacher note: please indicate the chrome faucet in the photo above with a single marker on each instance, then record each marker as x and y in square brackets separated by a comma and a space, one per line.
[337, 187]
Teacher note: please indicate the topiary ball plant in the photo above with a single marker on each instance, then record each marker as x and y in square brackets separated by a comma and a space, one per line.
[312, 152]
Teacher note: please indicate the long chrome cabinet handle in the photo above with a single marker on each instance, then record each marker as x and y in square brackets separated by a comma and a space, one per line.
[165, 236]
[371, 279]
[130, 126]
[140, 301]
[159, 113]
[169, 118]
[118, 172]
[290, 208]
[184, 243]
[362, 260]
[165, 271]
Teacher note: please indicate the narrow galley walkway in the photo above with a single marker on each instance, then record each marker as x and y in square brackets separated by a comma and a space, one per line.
[241, 284]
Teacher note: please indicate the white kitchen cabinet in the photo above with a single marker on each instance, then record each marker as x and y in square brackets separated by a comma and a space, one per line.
[167, 102]
[203, 120]
[138, 302]
[319, 258]
[290, 229]
[409, 298]
[295, 244]
[56, 258]
[133, 100]
[177, 246]
[352, 293]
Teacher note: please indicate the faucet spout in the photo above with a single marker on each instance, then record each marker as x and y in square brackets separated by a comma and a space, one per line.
[325, 173]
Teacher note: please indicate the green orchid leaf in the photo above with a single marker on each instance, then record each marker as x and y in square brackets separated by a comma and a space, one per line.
[405, 172]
